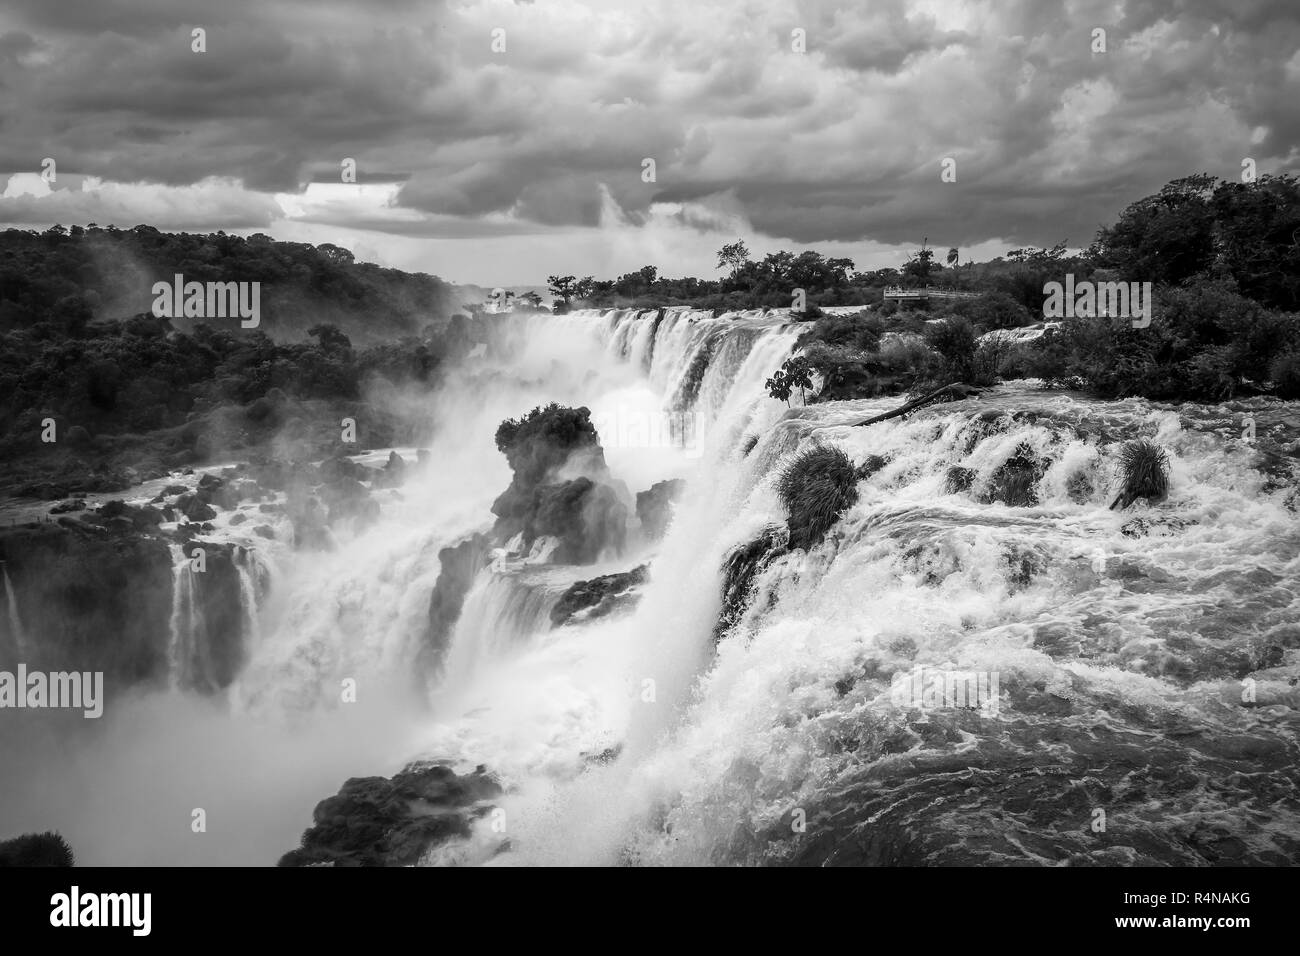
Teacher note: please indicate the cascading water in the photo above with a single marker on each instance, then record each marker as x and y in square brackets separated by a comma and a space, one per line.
[1091, 617]
[186, 622]
[1122, 640]
[15, 622]
[796, 712]
[361, 611]
[502, 612]
[252, 585]
[196, 643]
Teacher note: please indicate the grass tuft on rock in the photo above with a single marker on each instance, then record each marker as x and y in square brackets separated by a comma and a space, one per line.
[36, 849]
[1145, 469]
[816, 488]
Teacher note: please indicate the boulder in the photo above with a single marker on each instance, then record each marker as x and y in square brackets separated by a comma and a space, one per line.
[602, 595]
[654, 506]
[587, 519]
[393, 473]
[742, 567]
[459, 566]
[195, 508]
[380, 821]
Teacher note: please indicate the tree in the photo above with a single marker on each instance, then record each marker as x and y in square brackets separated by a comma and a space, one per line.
[733, 256]
[953, 257]
[335, 253]
[633, 284]
[921, 264]
[882, 277]
[1198, 226]
[1035, 266]
[794, 373]
[809, 270]
[1038, 258]
[839, 270]
[1167, 237]
[1257, 238]
[563, 286]
[533, 299]
[995, 310]
[330, 337]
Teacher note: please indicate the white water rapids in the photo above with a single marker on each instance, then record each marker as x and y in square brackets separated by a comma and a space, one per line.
[716, 748]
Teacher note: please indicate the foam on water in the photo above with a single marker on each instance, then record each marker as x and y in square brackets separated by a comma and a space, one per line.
[633, 738]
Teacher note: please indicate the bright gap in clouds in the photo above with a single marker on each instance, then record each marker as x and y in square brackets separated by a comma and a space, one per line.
[681, 239]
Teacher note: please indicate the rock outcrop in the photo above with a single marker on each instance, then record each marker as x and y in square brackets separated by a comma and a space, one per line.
[598, 596]
[382, 821]
[743, 565]
[654, 506]
[560, 487]
[459, 566]
[89, 598]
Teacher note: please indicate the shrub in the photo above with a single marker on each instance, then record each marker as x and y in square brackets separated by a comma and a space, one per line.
[794, 373]
[901, 354]
[1285, 375]
[987, 361]
[1016, 361]
[1209, 373]
[816, 488]
[845, 371]
[854, 331]
[824, 357]
[1015, 481]
[954, 340]
[542, 440]
[994, 310]
[36, 849]
[1049, 357]
[1145, 470]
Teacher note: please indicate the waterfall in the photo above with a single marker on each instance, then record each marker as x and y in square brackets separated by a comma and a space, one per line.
[192, 657]
[362, 609]
[931, 568]
[187, 645]
[15, 622]
[502, 612]
[252, 582]
[980, 540]
[178, 621]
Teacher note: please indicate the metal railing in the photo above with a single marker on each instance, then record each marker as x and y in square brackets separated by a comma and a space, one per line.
[929, 292]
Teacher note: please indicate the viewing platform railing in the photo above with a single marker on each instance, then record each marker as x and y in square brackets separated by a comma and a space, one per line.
[929, 292]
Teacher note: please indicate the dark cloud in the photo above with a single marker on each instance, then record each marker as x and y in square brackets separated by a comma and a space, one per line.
[842, 142]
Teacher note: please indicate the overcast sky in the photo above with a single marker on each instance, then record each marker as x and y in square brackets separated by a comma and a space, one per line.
[502, 167]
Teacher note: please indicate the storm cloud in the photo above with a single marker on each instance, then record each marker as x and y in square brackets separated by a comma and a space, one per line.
[841, 143]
